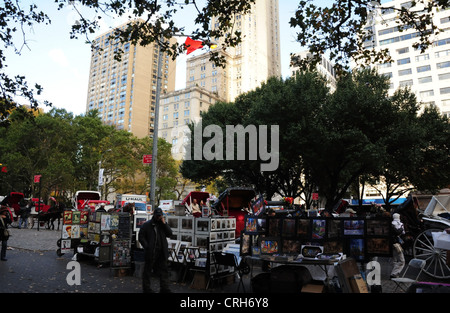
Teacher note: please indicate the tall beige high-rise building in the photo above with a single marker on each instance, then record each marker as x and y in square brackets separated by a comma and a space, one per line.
[249, 64]
[124, 92]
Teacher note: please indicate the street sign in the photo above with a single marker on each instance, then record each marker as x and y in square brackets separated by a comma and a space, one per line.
[315, 196]
[147, 159]
[37, 178]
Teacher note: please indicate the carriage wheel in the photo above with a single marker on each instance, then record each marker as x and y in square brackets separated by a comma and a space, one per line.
[59, 253]
[436, 258]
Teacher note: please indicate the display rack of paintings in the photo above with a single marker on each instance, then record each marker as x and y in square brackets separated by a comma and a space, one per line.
[120, 232]
[360, 238]
[121, 254]
[203, 234]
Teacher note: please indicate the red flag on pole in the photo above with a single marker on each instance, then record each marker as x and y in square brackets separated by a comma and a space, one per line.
[192, 45]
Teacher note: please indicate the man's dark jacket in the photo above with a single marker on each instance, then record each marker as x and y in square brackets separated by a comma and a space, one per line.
[148, 235]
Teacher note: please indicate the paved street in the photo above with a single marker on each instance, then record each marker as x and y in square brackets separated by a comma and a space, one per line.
[34, 267]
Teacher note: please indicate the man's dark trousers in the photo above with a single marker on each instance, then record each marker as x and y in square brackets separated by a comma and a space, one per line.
[159, 267]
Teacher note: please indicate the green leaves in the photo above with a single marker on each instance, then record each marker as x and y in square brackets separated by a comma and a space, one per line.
[66, 151]
[328, 141]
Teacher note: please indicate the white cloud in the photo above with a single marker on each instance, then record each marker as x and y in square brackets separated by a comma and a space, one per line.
[58, 56]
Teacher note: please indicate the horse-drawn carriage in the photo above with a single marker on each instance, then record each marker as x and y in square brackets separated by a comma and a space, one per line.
[45, 215]
[11, 201]
[40, 214]
[421, 227]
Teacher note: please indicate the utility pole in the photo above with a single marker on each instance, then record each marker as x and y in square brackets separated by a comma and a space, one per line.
[155, 129]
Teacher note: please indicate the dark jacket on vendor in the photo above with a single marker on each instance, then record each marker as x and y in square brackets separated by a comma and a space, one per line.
[153, 238]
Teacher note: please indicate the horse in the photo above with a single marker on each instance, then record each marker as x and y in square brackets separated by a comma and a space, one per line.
[54, 213]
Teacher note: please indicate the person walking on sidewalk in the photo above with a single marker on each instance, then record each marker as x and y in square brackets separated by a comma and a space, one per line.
[25, 210]
[5, 219]
[153, 237]
[398, 258]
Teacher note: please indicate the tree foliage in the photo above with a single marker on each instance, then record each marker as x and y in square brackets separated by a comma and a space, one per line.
[329, 141]
[68, 151]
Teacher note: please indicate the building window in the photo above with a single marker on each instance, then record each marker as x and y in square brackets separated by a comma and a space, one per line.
[424, 80]
[442, 53]
[442, 42]
[403, 50]
[445, 91]
[403, 61]
[405, 83]
[404, 72]
[423, 68]
[443, 64]
[444, 76]
[422, 57]
[427, 93]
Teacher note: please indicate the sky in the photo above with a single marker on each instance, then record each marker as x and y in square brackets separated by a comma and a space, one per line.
[61, 65]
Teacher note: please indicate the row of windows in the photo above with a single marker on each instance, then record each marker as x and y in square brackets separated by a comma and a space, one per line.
[424, 80]
[430, 93]
[420, 69]
[176, 106]
[165, 125]
[175, 115]
[176, 98]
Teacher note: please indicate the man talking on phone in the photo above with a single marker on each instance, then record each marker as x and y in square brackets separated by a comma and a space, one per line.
[153, 237]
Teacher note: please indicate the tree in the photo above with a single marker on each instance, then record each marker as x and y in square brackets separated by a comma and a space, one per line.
[90, 131]
[68, 152]
[41, 146]
[330, 142]
[289, 104]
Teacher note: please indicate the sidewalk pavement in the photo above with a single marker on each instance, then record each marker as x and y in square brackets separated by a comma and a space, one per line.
[32, 260]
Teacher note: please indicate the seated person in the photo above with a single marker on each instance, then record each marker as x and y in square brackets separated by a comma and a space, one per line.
[196, 211]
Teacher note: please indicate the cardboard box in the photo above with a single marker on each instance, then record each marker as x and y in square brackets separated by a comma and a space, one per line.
[313, 288]
[358, 284]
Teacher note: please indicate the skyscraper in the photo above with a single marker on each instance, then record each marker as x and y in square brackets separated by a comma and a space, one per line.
[250, 63]
[427, 74]
[124, 92]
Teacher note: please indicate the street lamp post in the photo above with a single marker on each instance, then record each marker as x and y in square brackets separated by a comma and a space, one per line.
[155, 129]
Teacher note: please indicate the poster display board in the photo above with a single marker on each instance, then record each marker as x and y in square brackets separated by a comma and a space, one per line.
[121, 243]
[103, 235]
[357, 237]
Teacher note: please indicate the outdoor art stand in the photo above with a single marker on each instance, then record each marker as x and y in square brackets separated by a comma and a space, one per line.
[319, 241]
[97, 235]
